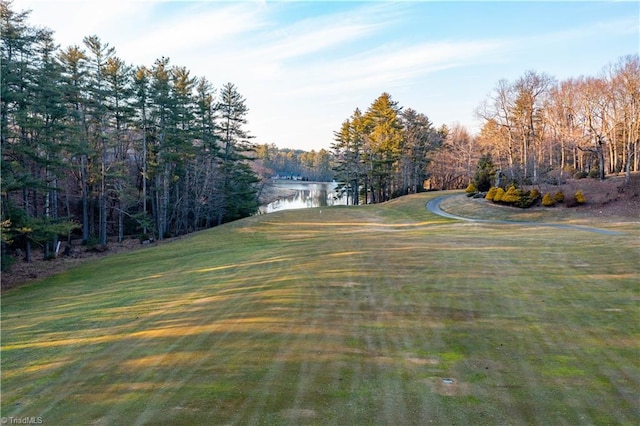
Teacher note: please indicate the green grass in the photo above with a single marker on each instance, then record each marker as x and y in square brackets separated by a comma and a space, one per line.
[336, 316]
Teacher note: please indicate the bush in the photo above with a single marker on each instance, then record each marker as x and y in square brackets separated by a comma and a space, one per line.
[580, 199]
[580, 175]
[512, 195]
[558, 197]
[471, 190]
[498, 196]
[548, 200]
[491, 193]
[527, 199]
[534, 194]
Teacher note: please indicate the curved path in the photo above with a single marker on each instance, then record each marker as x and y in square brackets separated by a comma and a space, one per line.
[433, 206]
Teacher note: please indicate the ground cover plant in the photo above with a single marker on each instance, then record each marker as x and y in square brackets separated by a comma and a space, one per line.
[383, 314]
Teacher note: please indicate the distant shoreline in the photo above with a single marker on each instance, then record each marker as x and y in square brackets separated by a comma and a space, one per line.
[294, 181]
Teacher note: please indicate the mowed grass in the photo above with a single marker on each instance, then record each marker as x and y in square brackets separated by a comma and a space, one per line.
[342, 316]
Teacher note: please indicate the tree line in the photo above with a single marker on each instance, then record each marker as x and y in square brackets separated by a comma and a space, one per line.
[536, 127]
[275, 162]
[534, 130]
[95, 146]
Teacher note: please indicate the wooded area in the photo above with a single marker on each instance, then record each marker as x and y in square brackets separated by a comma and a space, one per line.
[535, 130]
[95, 146]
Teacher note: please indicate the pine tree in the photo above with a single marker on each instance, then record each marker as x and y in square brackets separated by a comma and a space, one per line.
[160, 122]
[74, 81]
[141, 95]
[119, 92]
[100, 54]
[385, 140]
[420, 138]
[205, 163]
[236, 145]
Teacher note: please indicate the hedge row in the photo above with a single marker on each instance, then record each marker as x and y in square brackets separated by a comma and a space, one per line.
[524, 199]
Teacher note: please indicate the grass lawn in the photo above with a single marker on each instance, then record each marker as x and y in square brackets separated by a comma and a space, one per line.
[346, 316]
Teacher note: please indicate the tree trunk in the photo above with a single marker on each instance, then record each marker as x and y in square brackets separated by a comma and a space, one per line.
[627, 166]
[85, 198]
[600, 151]
[103, 193]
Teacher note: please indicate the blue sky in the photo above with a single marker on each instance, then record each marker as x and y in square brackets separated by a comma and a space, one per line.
[304, 66]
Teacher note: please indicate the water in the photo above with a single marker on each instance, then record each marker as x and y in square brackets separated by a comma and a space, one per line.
[308, 195]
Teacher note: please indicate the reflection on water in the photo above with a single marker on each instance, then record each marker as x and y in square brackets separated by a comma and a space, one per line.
[307, 195]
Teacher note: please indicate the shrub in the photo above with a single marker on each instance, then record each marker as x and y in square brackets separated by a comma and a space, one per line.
[471, 189]
[527, 199]
[491, 193]
[534, 194]
[580, 197]
[548, 200]
[511, 196]
[580, 175]
[498, 196]
[558, 197]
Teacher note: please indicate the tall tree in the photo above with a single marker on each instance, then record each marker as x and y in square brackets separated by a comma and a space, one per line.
[142, 99]
[205, 167]
[421, 139]
[74, 80]
[99, 55]
[625, 82]
[385, 145]
[235, 147]
[594, 113]
[119, 92]
[161, 162]
[530, 92]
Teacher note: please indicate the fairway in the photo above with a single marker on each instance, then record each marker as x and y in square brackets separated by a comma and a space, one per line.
[370, 315]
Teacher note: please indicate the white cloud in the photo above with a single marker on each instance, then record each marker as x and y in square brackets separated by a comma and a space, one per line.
[72, 20]
[302, 73]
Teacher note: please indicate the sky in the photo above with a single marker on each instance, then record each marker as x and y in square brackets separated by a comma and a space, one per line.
[303, 67]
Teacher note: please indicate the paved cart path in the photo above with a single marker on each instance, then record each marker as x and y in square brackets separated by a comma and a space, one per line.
[433, 206]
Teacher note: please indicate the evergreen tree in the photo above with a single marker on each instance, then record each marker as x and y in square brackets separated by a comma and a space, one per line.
[100, 54]
[485, 174]
[420, 138]
[205, 163]
[74, 81]
[160, 156]
[141, 102]
[235, 147]
[385, 144]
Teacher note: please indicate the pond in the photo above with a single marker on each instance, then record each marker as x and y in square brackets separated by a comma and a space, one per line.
[307, 195]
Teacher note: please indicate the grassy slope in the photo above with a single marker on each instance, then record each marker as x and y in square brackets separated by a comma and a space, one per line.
[336, 316]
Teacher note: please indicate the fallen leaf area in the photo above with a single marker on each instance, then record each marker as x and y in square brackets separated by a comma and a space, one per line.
[613, 197]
